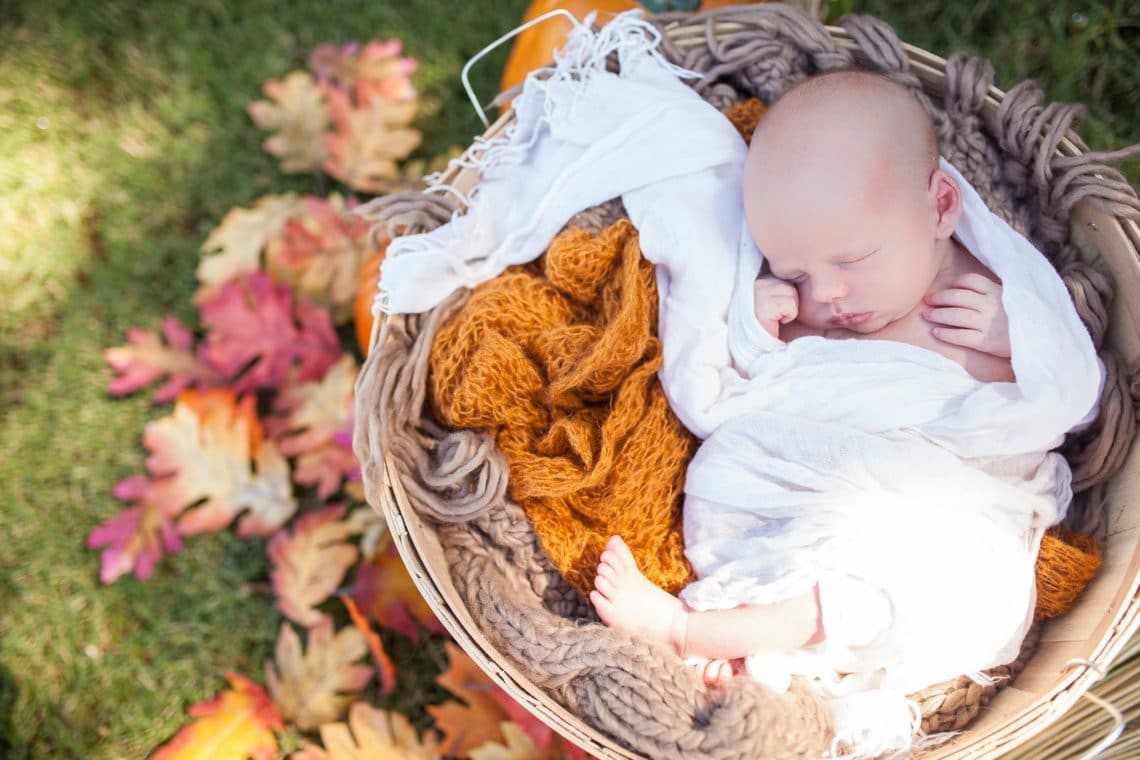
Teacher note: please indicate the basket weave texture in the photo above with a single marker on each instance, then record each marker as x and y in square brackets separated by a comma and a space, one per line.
[473, 551]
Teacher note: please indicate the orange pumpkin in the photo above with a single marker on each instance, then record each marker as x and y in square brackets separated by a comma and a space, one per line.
[365, 293]
[535, 47]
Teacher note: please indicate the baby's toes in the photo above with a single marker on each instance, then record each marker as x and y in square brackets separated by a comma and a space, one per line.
[603, 606]
[605, 586]
[622, 556]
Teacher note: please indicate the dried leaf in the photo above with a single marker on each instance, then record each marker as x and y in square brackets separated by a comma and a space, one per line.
[368, 140]
[298, 115]
[371, 734]
[374, 70]
[309, 417]
[471, 727]
[258, 338]
[145, 359]
[317, 686]
[374, 531]
[201, 455]
[385, 668]
[136, 538]
[547, 743]
[519, 746]
[238, 723]
[234, 247]
[466, 727]
[385, 592]
[319, 252]
[309, 563]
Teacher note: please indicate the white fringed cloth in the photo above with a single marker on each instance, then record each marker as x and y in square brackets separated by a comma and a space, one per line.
[912, 494]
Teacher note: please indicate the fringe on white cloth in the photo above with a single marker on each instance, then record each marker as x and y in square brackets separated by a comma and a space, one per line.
[914, 495]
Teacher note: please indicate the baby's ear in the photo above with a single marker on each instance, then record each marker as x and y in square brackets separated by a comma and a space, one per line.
[946, 197]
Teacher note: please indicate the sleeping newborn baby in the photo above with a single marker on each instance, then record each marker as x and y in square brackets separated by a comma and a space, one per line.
[855, 216]
[845, 198]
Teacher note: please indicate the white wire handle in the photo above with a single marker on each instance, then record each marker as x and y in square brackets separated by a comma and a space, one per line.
[463, 75]
[1104, 704]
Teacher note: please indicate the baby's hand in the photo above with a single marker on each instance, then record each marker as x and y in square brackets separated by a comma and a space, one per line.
[777, 303]
[969, 314]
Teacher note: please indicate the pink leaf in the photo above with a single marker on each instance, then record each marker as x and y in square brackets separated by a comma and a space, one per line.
[258, 338]
[146, 359]
[134, 539]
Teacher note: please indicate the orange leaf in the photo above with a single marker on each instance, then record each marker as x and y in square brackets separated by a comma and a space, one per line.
[318, 685]
[383, 662]
[385, 592]
[238, 723]
[375, 735]
[472, 727]
[466, 727]
[310, 562]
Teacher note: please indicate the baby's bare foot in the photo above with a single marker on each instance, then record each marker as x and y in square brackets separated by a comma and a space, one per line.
[716, 672]
[627, 601]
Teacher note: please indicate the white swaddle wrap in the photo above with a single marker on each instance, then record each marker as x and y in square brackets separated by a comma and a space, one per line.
[914, 495]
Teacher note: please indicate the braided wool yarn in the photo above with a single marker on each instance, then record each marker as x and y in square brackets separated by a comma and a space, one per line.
[641, 697]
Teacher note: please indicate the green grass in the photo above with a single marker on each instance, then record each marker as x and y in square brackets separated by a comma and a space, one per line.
[123, 141]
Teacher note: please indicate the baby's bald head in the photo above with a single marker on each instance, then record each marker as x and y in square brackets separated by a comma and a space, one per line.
[845, 124]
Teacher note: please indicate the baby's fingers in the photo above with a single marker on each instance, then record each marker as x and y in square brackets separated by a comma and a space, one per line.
[976, 282]
[957, 297]
[954, 317]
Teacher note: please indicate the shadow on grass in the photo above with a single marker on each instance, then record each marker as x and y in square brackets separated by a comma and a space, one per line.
[10, 745]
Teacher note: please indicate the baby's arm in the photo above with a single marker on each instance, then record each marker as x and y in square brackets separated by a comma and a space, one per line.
[626, 600]
[969, 314]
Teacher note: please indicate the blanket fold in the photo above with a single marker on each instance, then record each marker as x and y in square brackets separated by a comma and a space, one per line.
[560, 364]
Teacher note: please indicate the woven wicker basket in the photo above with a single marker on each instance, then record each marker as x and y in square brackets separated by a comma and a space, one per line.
[1076, 650]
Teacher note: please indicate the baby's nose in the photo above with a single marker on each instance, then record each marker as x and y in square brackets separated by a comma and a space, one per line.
[826, 289]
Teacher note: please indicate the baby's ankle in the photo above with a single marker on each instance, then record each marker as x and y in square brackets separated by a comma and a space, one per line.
[678, 634]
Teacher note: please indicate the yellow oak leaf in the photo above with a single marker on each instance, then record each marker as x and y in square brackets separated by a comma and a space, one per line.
[298, 114]
[238, 723]
[316, 686]
[234, 247]
[368, 140]
[371, 734]
[519, 746]
[310, 562]
[209, 454]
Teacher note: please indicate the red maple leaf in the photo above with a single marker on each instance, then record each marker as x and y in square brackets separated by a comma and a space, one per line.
[259, 338]
[385, 592]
